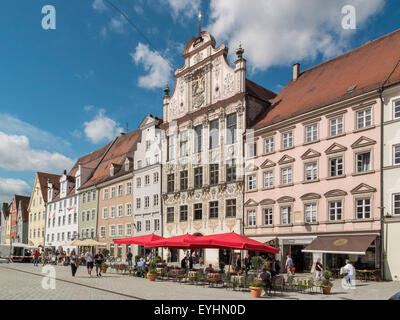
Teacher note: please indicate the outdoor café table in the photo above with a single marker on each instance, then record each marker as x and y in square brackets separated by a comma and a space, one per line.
[238, 280]
[335, 272]
[366, 274]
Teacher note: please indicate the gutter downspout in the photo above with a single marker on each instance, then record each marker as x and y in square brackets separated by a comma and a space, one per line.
[382, 209]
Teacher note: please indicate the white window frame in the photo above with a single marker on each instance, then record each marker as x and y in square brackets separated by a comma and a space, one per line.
[112, 212]
[310, 216]
[268, 179]
[252, 182]
[120, 211]
[336, 166]
[288, 175]
[313, 134]
[357, 161]
[269, 145]
[363, 206]
[251, 218]
[394, 201]
[128, 209]
[120, 190]
[104, 213]
[270, 214]
[287, 139]
[396, 104]
[362, 114]
[128, 229]
[112, 230]
[287, 215]
[120, 230]
[313, 171]
[128, 188]
[335, 208]
[338, 126]
[394, 154]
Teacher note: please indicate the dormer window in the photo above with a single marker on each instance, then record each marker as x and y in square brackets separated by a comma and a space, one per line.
[111, 170]
[78, 182]
[127, 165]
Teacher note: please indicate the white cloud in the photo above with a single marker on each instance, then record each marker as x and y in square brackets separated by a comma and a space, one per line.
[88, 108]
[187, 8]
[286, 31]
[101, 128]
[17, 154]
[84, 75]
[37, 137]
[76, 134]
[99, 5]
[117, 24]
[10, 187]
[158, 69]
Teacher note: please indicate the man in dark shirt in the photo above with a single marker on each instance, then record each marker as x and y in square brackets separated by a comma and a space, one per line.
[129, 256]
[98, 259]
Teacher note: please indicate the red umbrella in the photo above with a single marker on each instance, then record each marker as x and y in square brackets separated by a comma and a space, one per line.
[233, 241]
[184, 241]
[140, 240]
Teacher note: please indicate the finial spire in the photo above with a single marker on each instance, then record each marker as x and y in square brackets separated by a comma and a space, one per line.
[200, 16]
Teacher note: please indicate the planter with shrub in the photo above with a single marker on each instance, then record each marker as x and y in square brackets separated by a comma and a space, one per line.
[256, 287]
[104, 267]
[326, 283]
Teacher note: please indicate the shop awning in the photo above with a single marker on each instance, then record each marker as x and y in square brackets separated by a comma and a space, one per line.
[354, 244]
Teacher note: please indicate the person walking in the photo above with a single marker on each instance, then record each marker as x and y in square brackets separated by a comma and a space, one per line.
[74, 262]
[238, 263]
[289, 265]
[247, 264]
[348, 269]
[36, 256]
[89, 261]
[129, 256]
[318, 269]
[190, 262]
[98, 259]
[275, 268]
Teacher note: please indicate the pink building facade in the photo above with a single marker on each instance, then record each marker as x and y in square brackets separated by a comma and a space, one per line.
[316, 174]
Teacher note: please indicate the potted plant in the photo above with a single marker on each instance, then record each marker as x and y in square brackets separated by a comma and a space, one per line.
[256, 287]
[326, 282]
[152, 274]
[104, 267]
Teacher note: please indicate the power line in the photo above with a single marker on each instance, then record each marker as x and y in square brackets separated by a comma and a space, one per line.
[122, 13]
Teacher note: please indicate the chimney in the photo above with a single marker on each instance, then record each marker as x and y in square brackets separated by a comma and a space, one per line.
[296, 71]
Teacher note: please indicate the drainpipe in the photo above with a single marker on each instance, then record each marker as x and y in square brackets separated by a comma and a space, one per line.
[382, 208]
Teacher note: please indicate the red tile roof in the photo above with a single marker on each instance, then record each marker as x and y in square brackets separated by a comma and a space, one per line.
[368, 67]
[48, 177]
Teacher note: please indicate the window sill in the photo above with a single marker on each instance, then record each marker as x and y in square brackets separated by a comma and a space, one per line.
[311, 223]
[285, 225]
[311, 142]
[251, 191]
[334, 222]
[286, 185]
[336, 136]
[268, 153]
[310, 181]
[362, 220]
[362, 173]
[267, 188]
[336, 177]
[363, 129]
[285, 149]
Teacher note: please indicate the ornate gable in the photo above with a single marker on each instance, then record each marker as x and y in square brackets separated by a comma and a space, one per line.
[363, 188]
[286, 159]
[251, 168]
[335, 148]
[267, 202]
[250, 203]
[309, 154]
[310, 196]
[268, 164]
[335, 193]
[363, 142]
[285, 199]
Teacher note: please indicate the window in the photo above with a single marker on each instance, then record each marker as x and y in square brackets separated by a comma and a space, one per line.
[63, 220]
[68, 236]
[397, 109]
[184, 180]
[148, 145]
[335, 210]
[92, 233]
[183, 143]
[102, 232]
[214, 134]
[312, 133]
[105, 194]
[139, 226]
[231, 208]
[105, 213]
[269, 145]
[128, 229]
[286, 215]
[120, 229]
[120, 211]
[170, 215]
[139, 164]
[396, 154]
[231, 170]
[171, 148]
[198, 135]
[336, 167]
[156, 177]
[59, 221]
[147, 180]
[268, 179]
[87, 215]
[213, 174]
[120, 190]
[198, 177]
[69, 219]
[89, 195]
[364, 161]
[83, 216]
[155, 200]
[251, 182]
[287, 140]
[252, 149]
[52, 237]
[138, 203]
[146, 201]
[156, 224]
[112, 212]
[213, 209]
[129, 188]
[363, 208]
[112, 192]
[198, 211]
[396, 204]
[336, 126]
[251, 218]
[138, 182]
[231, 125]
[94, 195]
[58, 236]
[147, 225]
[364, 118]
[183, 213]
[310, 212]
[286, 176]
[170, 183]
[93, 214]
[267, 216]
[128, 209]
[311, 171]
[112, 230]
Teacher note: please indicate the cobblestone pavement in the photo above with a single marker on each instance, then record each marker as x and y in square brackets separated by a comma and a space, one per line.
[24, 281]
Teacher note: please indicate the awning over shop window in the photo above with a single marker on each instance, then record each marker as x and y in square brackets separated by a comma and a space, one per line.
[354, 244]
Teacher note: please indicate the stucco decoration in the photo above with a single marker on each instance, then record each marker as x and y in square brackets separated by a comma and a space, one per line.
[268, 164]
[335, 193]
[170, 227]
[363, 142]
[265, 202]
[310, 196]
[286, 199]
[213, 224]
[250, 203]
[228, 85]
[230, 223]
[309, 154]
[197, 225]
[335, 148]
[286, 159]
[183, 226]
[363, 188]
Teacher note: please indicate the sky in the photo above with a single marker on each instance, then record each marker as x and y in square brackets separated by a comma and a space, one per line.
[68, 91]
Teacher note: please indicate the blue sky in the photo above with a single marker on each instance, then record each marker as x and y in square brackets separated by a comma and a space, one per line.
[68, 91]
